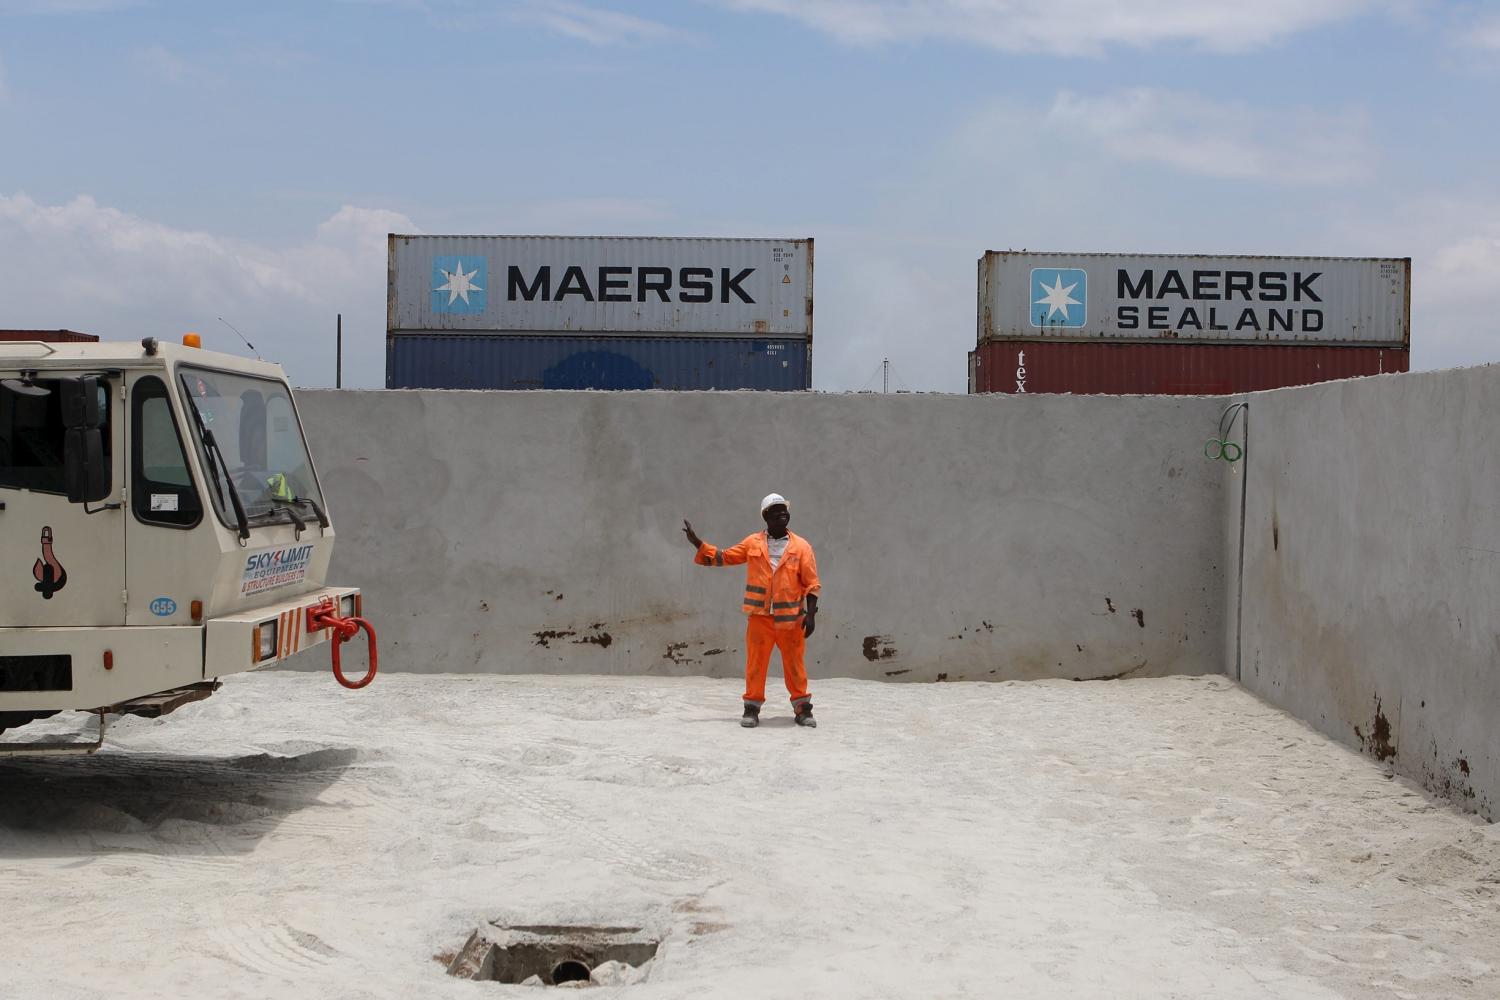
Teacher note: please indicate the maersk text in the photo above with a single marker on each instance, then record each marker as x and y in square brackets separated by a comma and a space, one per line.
[628, 284]
[1218, 286]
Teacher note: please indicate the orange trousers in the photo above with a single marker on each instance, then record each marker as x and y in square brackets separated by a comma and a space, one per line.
[762, 636]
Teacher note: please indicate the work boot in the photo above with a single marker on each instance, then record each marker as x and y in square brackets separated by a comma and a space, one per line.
[804, 715]
[751, 718]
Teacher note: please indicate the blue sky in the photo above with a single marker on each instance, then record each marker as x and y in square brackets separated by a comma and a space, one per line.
[166, 164]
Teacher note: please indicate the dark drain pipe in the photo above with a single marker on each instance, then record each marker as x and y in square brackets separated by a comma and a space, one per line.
[570, 972]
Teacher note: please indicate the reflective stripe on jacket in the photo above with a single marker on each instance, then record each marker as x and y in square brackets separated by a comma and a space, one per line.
[777, 594]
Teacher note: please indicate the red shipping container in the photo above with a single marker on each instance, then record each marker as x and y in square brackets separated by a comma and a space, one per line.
[49, 336]
[1028, 366]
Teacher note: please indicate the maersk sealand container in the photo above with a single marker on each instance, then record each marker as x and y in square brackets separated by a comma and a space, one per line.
[1127, 324]
[513, 312]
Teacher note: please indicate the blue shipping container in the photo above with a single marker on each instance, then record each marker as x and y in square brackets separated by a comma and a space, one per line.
[508, 361]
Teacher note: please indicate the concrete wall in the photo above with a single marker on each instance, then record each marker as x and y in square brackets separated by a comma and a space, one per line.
[1372, 570]
[958, 537]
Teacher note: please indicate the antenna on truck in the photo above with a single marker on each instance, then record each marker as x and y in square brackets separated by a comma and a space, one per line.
[241, 336]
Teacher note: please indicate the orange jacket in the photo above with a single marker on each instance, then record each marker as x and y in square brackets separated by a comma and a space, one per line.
[777, 594]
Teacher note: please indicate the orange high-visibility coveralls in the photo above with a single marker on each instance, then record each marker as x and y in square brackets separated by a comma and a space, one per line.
[773, 602]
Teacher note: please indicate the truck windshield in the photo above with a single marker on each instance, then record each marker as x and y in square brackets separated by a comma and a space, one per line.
[259, 445]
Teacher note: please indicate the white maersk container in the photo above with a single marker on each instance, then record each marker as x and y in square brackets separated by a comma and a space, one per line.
[1220, 300]
[651, 286]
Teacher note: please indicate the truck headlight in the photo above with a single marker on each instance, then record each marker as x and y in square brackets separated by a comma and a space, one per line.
[265, 640]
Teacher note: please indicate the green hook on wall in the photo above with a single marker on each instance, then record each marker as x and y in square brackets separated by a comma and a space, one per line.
[1221, 447]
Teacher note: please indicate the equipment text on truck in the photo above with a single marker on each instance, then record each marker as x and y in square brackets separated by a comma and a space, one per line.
[1202, 287]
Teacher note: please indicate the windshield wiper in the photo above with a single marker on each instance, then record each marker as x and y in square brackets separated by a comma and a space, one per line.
[213, 467]
[322, 517]
[285, 507]
[210, 448]
[234, 494]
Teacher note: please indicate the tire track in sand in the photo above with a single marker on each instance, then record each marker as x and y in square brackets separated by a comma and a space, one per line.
[639, 859]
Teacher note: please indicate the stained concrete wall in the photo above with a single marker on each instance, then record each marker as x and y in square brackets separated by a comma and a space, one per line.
[1372, 570]
[957, 537]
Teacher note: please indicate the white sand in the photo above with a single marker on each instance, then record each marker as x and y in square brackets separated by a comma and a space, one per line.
[1152, 838]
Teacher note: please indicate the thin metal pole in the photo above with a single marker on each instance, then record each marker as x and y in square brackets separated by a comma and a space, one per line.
[1239, 610]
[886, 367]
[338, 364]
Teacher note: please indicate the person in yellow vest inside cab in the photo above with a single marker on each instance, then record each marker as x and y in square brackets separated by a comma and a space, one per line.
[781, 602]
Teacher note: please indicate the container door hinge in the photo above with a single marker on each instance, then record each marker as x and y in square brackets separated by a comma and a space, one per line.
[125, 597]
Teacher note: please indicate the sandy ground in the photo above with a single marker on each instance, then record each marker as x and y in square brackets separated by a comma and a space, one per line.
[1150, 838]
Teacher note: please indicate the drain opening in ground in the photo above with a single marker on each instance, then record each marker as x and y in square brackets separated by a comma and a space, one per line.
[569, 972]
[555, 955]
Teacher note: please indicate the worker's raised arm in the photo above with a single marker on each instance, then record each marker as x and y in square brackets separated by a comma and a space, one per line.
[712, 555]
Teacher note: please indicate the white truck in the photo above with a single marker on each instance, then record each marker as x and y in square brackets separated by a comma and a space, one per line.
[161, 525]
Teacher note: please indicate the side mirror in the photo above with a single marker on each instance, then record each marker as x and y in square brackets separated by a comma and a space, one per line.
[80, 402]
[25, 388]
[85, 473]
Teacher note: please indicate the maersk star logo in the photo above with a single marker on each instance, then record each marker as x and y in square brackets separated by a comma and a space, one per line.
[1059, 296]
[458, 284]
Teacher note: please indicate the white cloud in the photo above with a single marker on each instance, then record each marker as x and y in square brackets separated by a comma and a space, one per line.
[594, 25]
[882, 295]
[274, 57]
[1464, 271]
[591, 216]
[1216, 139]
[1065, 27]
[1455, 250]
[161, 62]
[85, 266]
[1483, 34]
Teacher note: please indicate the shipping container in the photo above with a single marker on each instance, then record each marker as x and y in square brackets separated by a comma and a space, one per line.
[1015, 366]
[49, 336]
[509, 361]
[534, 285]
[1192, 299]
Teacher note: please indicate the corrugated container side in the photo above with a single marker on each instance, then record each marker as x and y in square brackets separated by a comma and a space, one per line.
[510, 361]
[49, 336]
[1013, 366]
[600, 285]
[1194, 299]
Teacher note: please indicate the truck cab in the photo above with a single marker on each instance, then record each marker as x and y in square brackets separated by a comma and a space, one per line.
[161, 526]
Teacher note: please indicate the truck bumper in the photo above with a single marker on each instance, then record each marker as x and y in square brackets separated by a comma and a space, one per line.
[103, 666]
[107, 666]
[265, 636]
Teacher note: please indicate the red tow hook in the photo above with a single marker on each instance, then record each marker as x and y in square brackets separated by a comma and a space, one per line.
[325, 614]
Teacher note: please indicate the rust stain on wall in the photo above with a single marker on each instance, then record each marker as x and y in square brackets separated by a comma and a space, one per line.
[1378, 743]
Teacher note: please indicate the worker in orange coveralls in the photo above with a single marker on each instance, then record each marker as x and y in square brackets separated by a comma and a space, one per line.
[781, 600]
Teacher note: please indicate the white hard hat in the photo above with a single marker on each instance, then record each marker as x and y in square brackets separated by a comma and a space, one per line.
[771, 500]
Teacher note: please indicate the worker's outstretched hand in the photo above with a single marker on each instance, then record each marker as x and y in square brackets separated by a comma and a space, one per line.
[692, 536]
